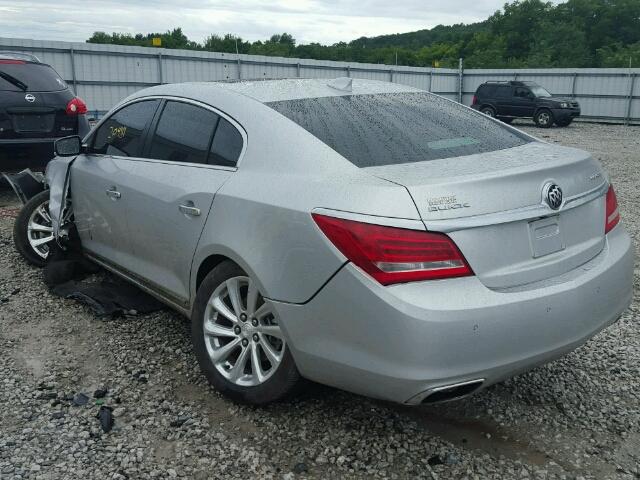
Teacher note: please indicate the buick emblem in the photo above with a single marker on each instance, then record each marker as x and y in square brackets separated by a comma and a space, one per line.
[552, 195]
[29, 98]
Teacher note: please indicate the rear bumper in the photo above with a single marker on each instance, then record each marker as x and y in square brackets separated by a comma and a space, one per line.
[18, 154]
[397, 343]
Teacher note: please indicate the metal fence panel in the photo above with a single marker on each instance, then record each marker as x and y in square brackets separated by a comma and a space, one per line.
[105, 74]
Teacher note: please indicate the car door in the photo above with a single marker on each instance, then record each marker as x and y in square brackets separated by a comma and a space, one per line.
[523, 102]
[191, 151]
[98, 191]
[504, 94]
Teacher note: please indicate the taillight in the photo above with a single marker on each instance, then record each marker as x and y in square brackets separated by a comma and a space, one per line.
[395, 255]
[76, 107]
[474, 100]
[613, 214]
[11, 62]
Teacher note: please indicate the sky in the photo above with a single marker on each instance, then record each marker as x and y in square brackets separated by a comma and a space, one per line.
[322, 21]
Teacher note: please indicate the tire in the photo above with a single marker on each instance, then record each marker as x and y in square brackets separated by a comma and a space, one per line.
[488, 111]
[564, 123]
[544, 118]
[271, 380]
[34, 213]
[506, 120]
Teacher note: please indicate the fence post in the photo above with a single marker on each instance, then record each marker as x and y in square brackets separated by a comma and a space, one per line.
[160, 72]
[73, 71]
[632, 81]
[430, 79]
[298, 69]
[239, 68]
[460, 80]
[573, 85]
[348, 70]
[391, 75]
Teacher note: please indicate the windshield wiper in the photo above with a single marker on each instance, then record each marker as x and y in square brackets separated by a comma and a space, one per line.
[11, 79]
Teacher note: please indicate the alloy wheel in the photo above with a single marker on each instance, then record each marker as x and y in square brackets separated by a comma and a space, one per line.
[242, 334]
[40, 230]
[543, 118]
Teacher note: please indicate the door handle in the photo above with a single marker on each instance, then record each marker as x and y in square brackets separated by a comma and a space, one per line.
[112, 192]
[189, 209]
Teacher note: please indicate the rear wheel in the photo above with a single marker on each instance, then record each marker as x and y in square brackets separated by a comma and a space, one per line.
[32, 230]
[488, 111]
[543, 118]
[238, 341]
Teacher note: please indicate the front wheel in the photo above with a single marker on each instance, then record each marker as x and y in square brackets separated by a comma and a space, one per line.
[238, 340]
[544, 118]
[32, 230]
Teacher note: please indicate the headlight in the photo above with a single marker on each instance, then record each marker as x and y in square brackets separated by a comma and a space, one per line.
[564, 105]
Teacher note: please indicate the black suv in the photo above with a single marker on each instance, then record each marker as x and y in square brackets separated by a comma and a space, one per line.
[509, 100]
[36, 107]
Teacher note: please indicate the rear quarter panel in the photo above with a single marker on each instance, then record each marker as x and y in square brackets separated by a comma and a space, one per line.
[261, 217]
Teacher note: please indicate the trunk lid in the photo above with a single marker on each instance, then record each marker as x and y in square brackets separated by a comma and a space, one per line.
[492, 205]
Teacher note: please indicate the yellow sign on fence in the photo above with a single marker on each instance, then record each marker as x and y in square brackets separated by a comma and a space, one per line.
[156, 41]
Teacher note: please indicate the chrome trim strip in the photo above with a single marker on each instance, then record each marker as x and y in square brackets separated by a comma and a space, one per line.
[523, 213]
[374, 219]
[197, 103]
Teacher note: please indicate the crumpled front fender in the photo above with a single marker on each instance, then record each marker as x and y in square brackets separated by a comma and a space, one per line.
[57, 175]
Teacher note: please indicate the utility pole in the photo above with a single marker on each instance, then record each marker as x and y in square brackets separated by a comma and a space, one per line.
[460, 80]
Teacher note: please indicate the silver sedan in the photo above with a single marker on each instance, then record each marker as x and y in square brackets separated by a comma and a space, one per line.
[365, 235]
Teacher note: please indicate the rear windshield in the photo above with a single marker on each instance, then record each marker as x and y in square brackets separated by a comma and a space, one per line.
[394, 128]
[35, 77]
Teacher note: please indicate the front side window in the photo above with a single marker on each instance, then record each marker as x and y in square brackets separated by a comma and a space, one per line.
[121, 134]
[396, 128]
[183, 133]
[522, 92]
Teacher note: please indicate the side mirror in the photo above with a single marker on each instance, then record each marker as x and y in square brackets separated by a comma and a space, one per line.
[68, 146]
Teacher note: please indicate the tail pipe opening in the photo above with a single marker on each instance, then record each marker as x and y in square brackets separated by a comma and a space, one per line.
[452, 392]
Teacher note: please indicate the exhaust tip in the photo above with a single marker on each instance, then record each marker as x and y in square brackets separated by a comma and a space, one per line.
[452, 392]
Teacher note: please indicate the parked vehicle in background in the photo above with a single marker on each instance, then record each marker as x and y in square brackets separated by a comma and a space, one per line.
[36, 108]
[513, 99]
[366, 235]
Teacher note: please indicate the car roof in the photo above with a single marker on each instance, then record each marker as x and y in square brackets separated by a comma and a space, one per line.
[515, 83]
[266, 91]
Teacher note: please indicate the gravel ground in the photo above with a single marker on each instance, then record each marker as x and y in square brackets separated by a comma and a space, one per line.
[576, 418]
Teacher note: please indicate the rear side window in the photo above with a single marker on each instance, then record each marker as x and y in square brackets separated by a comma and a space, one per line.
[396, 128]
[18, 76]
[121, 134]
[183, 133]
[503, 91]
[226, 145]
[486, 90]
